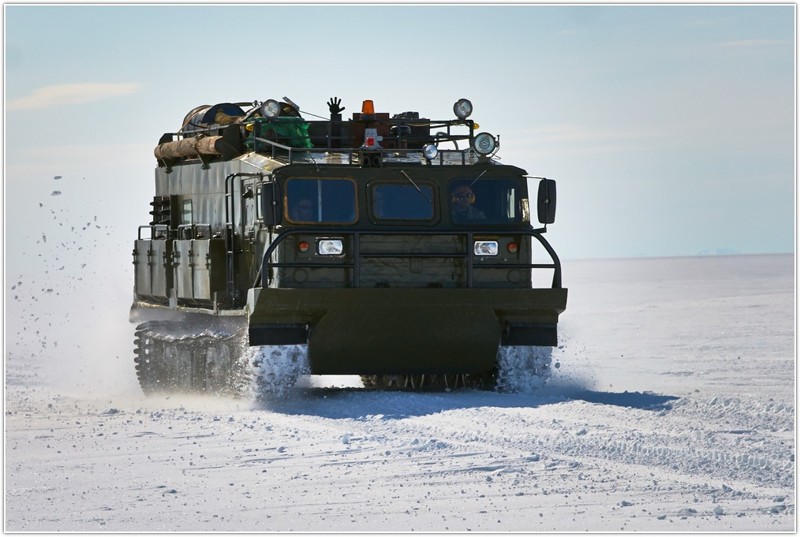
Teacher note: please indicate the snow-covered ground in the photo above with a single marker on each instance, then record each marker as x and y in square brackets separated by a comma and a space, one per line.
[673, 410]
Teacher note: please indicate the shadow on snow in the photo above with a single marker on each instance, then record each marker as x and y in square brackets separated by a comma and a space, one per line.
[640, 400]
[354, 403]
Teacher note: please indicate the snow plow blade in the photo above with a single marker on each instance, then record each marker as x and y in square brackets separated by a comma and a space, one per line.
[404, 331]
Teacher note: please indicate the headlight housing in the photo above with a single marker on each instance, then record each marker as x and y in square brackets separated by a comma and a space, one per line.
[462, 109]
[485, 248]
[484, 144]
[330, 247]
[270, 108]
[429, 151]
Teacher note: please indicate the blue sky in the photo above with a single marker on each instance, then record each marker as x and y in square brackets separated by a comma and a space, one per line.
[670, 129]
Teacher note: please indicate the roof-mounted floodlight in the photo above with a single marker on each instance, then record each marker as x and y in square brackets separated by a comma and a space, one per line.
[484, 144]
[270, 108]
[462, 108]
[429, 151]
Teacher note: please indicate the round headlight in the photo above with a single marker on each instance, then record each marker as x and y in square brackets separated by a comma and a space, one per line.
[270, 108]
[429, 151]
[484, 144]
[462, 108]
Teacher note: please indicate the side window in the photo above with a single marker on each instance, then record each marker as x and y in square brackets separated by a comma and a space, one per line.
[259, 215]
[487, 201]
[249, 206]
[328, 201]
[512, 204]
[402, 201]
[186, 212]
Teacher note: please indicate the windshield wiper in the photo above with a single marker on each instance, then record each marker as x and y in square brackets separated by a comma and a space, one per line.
[421, 193]
[476, 179]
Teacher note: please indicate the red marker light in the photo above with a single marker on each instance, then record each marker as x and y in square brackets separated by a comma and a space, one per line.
[303, 246]
[512, 247]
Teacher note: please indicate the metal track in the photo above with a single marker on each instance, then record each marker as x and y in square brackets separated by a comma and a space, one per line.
[485, 381]
[191, 357]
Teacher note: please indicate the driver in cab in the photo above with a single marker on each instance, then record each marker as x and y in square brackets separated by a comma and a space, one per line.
[462, 205]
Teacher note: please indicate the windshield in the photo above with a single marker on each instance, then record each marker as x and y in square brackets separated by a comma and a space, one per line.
[486, 201]
[330, 201]
[402, 201]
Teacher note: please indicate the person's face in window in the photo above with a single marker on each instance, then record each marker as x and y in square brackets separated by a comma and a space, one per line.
[463, 197]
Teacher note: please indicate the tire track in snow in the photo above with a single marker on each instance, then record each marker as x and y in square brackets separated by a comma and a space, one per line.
[734, 440]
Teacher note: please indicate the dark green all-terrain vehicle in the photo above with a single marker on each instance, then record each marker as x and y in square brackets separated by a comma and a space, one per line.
[391, 247]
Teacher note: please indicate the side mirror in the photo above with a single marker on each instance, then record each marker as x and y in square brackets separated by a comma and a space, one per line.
[271, 204]
[546, 203]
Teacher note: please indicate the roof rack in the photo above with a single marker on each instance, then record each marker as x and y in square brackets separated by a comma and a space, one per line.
[367, 139]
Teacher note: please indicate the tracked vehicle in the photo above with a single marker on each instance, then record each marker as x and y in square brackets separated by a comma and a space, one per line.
[394, 247]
